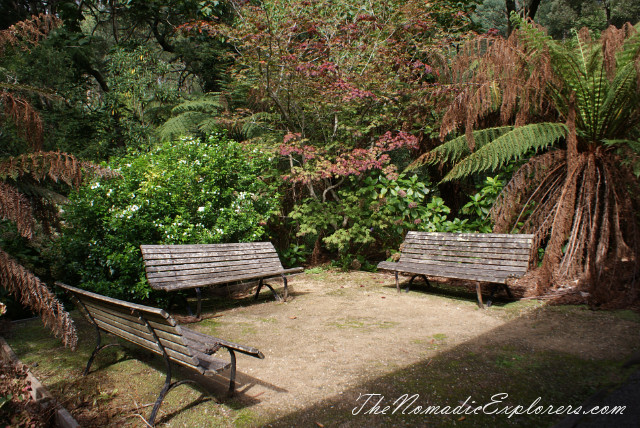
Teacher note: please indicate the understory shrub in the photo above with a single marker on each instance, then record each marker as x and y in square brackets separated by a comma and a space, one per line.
[372, 215]
[180, 192]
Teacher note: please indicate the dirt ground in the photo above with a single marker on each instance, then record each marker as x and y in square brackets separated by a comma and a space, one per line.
[342, 330]
[343, 334]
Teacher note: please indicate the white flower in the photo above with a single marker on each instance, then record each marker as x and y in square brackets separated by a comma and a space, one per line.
[95, 185]
[200, 209]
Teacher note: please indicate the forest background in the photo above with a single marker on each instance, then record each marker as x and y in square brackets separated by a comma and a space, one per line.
[317, 125]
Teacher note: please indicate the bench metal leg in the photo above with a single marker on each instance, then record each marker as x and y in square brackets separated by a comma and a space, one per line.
[98, 348]
[258, 290]
[397, 282]
[232, 375]
[494, 288]
[199, 303]
[506, 289]
[168, 386]
[426, 281]
[275, 295]
[285, 292]
[479, 293]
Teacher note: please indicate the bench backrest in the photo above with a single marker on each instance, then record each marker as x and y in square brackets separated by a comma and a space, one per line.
[489, 257]
[172, 267]
[142, 325]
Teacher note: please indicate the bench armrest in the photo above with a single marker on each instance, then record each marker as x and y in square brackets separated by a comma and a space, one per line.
[208, 341]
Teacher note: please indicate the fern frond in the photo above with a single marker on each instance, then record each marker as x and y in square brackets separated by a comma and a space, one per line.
[208, 103]
[209, 125]
[27, 120]
[621, 97]
[454, 150]
[184, 124]
[15, 207]
[507, 147]
[42, 165]
[33, 293]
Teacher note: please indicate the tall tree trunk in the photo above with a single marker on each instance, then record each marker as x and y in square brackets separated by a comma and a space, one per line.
[607, 11]
[533, 8]
[511, 7]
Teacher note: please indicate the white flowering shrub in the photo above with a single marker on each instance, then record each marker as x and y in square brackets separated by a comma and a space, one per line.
[180, 192]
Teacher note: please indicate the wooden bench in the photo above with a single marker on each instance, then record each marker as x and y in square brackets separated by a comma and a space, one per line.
[480, 257]
[179, 267]
[155, 330]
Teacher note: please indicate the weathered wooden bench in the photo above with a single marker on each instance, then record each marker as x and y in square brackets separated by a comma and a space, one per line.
[155, 330]
[179, 267]
[480, 257]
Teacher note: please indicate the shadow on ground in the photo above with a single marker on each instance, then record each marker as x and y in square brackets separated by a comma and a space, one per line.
[555, 357]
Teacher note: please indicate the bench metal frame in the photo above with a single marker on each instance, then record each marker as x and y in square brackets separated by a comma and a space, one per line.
[155, 330]
[479, 257]
[180, 267]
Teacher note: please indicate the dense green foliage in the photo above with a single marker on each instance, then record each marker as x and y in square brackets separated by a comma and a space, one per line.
[183, 191]
[341, 96]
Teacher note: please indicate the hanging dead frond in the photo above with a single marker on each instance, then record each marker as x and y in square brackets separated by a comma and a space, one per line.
[27, 120]
[16, 208]
[35, 295]
[613, 39]
[28, 32]
[497, 74]
[53, 165]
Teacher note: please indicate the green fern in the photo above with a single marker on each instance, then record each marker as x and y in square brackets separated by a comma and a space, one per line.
[184, 124]
[509, 146]
[455, 150]
[209, 103]
[192, 116]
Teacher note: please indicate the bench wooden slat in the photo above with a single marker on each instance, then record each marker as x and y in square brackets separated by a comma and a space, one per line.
[464, 237]
[158, 326]
[431, 257]
[484, 276]
[455, 270]
[148, 344]
[475, 265]
[167, 339]
[172, 276]
[514, 252]
[170, 286]
[218, 267]
[176, 254]
[178, 264]
[126, 325]
[469, 246]
[205, 338]
[108, 307]
[198, 247]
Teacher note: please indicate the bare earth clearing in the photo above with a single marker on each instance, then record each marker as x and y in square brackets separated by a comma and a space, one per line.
[345, 334]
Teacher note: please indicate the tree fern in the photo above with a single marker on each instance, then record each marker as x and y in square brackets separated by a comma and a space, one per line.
[584, 208]
[506, 147]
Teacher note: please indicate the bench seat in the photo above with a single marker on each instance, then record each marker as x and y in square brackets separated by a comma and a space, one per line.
[180, 267]
[155, 330]
[480, 257]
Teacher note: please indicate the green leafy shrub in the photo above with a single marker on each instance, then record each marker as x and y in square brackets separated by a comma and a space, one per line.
[180, 192]
[369, 215]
